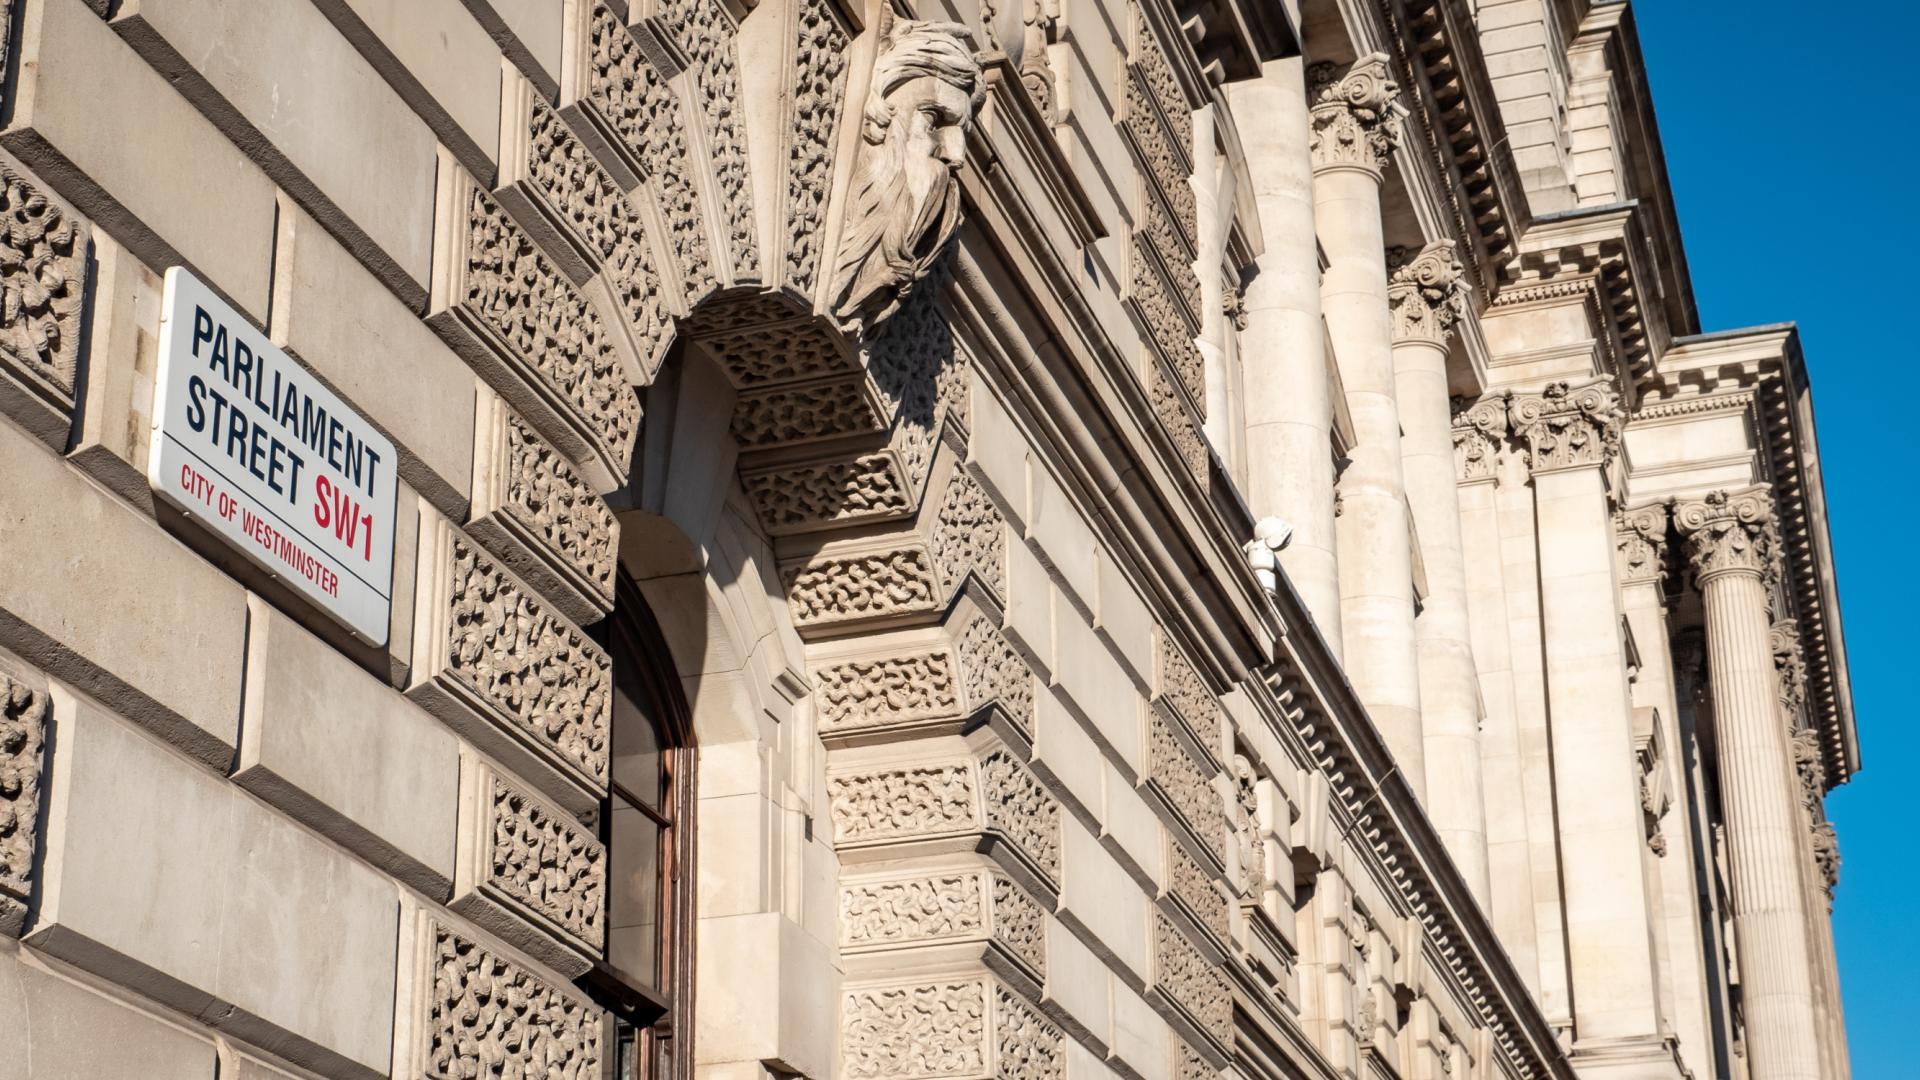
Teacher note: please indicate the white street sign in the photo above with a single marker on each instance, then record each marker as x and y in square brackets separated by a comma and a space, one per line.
[250, 445]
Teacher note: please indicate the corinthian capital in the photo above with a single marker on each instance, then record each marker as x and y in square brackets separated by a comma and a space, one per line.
[1479, 430]
[1567, 426]
[1356, 114]
[1728, 531]
[1640, 538]
[1426, 291]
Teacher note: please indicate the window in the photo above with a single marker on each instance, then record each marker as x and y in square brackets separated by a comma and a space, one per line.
[646, 825]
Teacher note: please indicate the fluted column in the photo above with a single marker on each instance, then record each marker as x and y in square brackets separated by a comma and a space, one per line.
[1426, 291]
[1640, 534]
[1729, 535]
[1479, 435]
[1356, 124]
[1572, 433]
[1289, 409]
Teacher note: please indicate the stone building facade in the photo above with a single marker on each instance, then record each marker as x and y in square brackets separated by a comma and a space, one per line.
[1057, 540]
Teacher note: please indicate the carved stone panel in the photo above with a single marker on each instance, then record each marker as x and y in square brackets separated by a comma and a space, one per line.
[824, 494]
[528, 870]
[1171, 408]
[707, 36]
[1194, 888]
[820, 409]
[508, 672]
[1180, 689]
[819, 85]
[993, 673]
[1186, 979]
[508, 310]
[24, 712]
[1184, 787]
[1166, 322]
[969, 536]
[481, 1013]
[855, 587]
[43, 259]
[867, 694]
[532, 510]
[943, 800]
[944, 907]
[961, 1027]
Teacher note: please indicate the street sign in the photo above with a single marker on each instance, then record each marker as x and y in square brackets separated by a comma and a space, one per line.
[250, 445]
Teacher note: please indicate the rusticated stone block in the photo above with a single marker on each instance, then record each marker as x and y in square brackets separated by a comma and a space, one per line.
[528, 870]
[847, 587]
[960, 905]
[509, 673]
[167, 879]
[24, 712]
[60, 1029]
[169, 657]
[43, 268]
[960, 1027]
[350, 150]
[338, 749]
[897, 693]
[534, 511]
[503, 305]
[106, 130]
[471, 1005]
[1178, 777]
[1184, 980]
[953, 800]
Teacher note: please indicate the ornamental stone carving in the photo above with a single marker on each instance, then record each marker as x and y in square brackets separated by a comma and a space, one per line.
[885, 691]
[1169, 405]
[1356, 114]
[1479, 431]
[822, 493]
[1426, 292]
[489, 1016]
[42, 274]
[820, 76]
[1253, 838]
[1826, 856]
[969, 536]
[23, 733]
[1183, 691]
[707, 35]
[1789, 668]
[1166, 322]
[957, 905]
[904, 207]
[1187, 979]
[531, 670]
[1180, 781]
[785, 415]
[1727, 531]
[1810, 763]
[994, 674]
[516, 309]
[1640, 544]
[1568, 426]
[540, 861]
[533, 511]
[1195, 888]
[1020, 809]
[869, 585]
[957, 1028]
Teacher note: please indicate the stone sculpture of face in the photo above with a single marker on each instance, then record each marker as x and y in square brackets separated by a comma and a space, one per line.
[906, 202]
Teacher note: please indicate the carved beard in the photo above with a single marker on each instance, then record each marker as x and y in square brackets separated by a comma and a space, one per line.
[894, 237]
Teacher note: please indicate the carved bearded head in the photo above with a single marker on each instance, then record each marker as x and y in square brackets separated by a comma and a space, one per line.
[906, 201]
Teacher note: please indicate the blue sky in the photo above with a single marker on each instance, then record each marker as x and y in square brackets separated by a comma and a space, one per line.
[1790, 142]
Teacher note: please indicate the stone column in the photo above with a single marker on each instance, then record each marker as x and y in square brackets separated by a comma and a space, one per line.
[1572, 433]
[1479, 434]
[1729, 536]
[1289, 410]
[1640, 536]
[1356, 124]
[1425, 293]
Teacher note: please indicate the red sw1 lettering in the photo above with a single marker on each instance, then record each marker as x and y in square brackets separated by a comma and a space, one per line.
[334, 509]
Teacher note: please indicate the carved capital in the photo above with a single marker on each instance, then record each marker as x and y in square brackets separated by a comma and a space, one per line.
[1728, 531]
[1789, 666]
[1426, 292]
[1356, 114]
[1479, 431]
[1826, 856]
[1809, 761]
[1567, 426]
[1640, 539]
